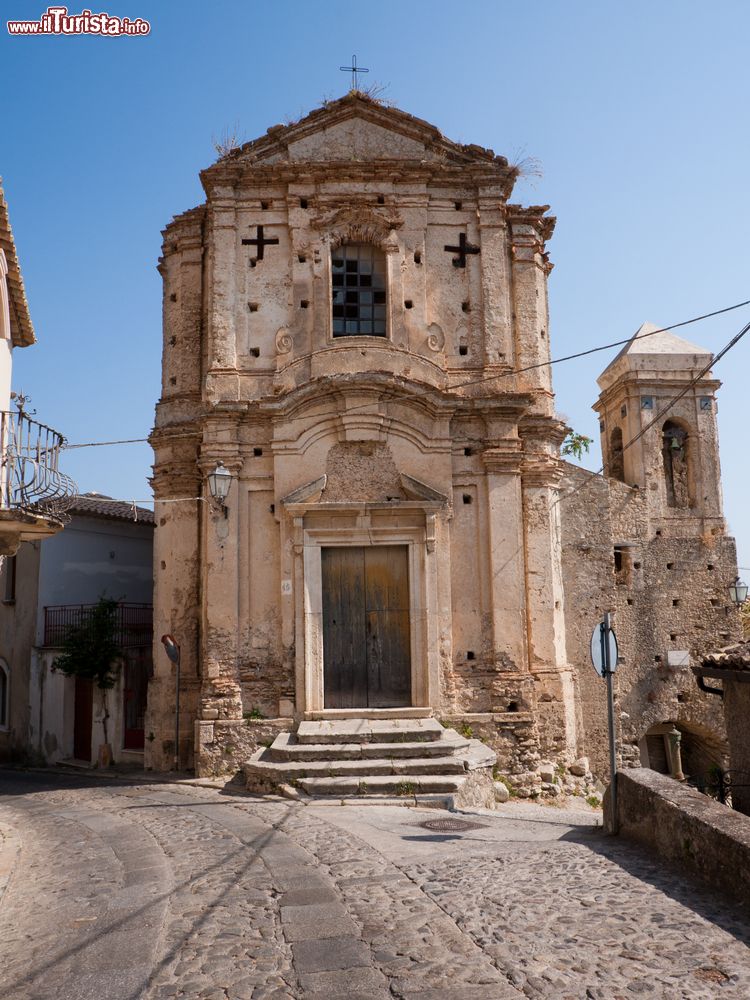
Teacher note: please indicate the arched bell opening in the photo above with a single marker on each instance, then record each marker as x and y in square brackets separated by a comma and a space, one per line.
[677, 461]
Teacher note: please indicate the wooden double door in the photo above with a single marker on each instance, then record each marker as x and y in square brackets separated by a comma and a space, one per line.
[366, 627]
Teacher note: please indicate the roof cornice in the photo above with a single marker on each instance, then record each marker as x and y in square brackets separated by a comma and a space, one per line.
[278, 138]
[21, 328]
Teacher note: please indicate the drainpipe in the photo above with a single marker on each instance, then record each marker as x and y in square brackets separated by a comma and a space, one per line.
[706, 688]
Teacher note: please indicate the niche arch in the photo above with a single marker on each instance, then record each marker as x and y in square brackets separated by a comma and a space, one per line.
[616, 455]
[677, 462]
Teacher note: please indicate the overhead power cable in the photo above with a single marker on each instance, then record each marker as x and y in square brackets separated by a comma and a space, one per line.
[683, 392]
[603, 347]
[490, 378]
[591, 475]
[663, 411]
[104, 444]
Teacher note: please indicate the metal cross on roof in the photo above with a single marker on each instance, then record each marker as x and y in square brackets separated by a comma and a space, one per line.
[354, 69]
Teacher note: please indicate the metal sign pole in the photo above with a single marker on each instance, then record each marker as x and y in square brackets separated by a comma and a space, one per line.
[609, 669]
[172, 649]
[177, 715]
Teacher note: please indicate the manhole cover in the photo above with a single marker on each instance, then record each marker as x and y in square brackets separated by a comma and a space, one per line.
[450, 825]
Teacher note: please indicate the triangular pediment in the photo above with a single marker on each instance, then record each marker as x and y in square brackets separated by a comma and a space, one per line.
[413, 490]
[353, 128]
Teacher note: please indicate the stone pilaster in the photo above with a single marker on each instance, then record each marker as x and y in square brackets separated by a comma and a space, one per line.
[502, 461]
[176, 484]
[545, 609]
[529, 269]
[221, 286]
[496, 321]
[222, 543]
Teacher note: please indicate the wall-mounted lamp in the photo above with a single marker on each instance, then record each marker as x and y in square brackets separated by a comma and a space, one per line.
[219, 484]
[738, 592]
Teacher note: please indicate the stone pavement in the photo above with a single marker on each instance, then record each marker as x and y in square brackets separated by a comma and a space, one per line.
[124, 889]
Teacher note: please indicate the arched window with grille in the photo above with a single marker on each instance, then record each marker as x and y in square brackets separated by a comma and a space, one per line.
[358, 286]
[616, 455]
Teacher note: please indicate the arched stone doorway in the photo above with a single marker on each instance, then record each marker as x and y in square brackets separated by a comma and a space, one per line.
[684, 750]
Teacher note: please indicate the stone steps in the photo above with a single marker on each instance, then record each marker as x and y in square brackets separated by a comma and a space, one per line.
[402, 786]
[289, 771]
[286, 747]
[344, 731]
[383, 759]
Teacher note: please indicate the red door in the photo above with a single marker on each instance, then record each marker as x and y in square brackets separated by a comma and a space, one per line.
[82, 709]
[134, 703]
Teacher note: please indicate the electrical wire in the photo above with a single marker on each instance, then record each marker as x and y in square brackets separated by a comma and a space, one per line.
[99, 499]
[603, 347]
[706, 368]
[591, 475]
[664, 410]
[104, 444]
[490, 378]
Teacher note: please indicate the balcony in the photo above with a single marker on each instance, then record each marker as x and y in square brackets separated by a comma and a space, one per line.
[134, 623]
[34, 494]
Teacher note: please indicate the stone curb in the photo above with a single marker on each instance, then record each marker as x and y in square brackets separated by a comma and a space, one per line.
[10, 848]
[136, 777]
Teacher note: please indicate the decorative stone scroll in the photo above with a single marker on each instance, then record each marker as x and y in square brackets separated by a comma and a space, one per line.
[436, 337]
[284, 342]
[360, 224]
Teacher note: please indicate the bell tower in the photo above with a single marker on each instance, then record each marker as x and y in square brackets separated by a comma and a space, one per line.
[657, 419]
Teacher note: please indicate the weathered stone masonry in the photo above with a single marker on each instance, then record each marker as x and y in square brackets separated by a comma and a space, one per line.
[420, 435]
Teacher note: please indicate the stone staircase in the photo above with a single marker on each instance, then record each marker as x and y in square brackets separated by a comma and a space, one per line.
[406, 759]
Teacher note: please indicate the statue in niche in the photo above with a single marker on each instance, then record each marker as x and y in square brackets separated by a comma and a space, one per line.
[674, 451]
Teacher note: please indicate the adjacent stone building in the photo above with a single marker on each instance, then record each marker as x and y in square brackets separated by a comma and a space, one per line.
[33, 490]
[52, 585]
[732, 667]
[648, 540]
[356, 328]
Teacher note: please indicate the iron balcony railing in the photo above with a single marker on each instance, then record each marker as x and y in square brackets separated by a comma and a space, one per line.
[134, 623]
[30, 478]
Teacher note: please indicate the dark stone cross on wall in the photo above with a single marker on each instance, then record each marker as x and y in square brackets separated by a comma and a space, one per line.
[259, 241]
[462, 250]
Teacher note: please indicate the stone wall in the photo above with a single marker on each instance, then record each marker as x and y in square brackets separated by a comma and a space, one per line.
[667, 592]
[223, 746]
[397, 434]
[589, 583]
[257, 376]
[684, 827]
[737, 714]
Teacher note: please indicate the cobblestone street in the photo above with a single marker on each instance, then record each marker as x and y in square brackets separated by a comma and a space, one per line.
[112, 890]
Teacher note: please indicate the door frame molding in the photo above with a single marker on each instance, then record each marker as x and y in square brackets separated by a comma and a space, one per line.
[409, 523]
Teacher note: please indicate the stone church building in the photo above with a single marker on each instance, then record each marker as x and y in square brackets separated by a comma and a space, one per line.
[356, 329]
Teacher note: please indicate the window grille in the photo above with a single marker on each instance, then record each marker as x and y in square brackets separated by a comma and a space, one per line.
[359, 294]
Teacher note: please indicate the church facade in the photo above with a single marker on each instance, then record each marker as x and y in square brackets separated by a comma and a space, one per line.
[356, 330]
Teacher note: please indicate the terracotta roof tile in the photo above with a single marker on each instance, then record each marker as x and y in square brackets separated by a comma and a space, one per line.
[21, 330]
[734, 657]
[98, 505]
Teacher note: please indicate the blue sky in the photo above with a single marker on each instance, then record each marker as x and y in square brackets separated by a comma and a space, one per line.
[636, 112]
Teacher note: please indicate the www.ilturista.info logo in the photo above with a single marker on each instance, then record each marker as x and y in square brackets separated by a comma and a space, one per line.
[57, 21]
